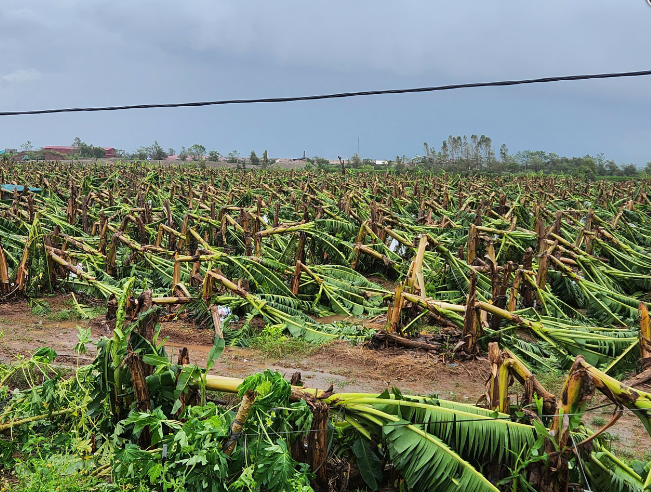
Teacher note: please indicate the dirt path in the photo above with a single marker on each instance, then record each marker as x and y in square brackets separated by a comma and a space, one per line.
[347, 368]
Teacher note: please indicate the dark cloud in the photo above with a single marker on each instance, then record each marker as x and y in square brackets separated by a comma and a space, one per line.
[96, 52]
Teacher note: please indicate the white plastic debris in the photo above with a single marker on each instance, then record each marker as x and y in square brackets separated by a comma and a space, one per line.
[223, 312]
[80, 268]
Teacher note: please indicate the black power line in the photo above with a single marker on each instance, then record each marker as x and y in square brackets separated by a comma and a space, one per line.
[336, 95]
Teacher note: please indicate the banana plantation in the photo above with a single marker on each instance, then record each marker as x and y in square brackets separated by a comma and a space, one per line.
[527, 273]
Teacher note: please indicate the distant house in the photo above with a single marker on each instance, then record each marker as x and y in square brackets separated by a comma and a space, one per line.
[61, 149]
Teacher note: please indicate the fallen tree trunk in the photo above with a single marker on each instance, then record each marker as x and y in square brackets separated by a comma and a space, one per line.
[317, 447]
[381, 337]
[643, 377]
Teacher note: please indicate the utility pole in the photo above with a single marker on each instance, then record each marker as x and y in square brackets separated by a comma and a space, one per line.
[357, 145]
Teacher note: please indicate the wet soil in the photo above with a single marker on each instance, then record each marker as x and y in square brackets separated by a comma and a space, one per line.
[348, 368]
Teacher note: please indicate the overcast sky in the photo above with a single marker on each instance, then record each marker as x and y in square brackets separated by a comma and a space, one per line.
[62, 53]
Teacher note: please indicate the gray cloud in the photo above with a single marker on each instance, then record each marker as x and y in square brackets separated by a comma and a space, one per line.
[468, 38]
[120, 51]
[20, 76]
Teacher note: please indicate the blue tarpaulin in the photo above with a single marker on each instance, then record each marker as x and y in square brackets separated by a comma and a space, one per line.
[19, 188]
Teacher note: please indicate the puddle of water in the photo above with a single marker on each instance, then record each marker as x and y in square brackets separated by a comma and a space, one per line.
[204, 349]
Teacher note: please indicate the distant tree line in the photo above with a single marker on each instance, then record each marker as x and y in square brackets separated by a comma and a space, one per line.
[477, 154]
[198, 153]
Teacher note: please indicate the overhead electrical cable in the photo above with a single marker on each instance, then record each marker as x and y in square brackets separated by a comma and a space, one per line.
[339, 95]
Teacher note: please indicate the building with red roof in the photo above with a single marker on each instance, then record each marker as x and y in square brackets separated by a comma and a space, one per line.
[62, 149]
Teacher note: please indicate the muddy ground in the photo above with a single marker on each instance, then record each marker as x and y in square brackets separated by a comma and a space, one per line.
[347, 368]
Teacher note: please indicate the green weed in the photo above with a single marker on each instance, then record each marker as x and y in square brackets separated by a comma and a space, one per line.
[552, 380]
[56, 474]
[75, 315]
[274, 345]
[40, 307]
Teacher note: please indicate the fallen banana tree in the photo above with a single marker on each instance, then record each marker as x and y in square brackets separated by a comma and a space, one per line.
[554, 268]
[289, 243]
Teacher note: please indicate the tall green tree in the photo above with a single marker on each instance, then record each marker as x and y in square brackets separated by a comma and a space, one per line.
[504, 154]
[466, 154]
[140, 153]
[400, 164]
[355, 161]
[600, 161]
[611, 168]
[89, 151]
[444, 154]
[629, 170]
[156, 152]
[197, 151]
[475, 152]
[487, 155]
[232, 156]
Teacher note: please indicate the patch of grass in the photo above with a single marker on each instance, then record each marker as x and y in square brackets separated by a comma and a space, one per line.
[40, 307]
[614, 178]
[74, 314]
[552, 380]
[41, 475]
[63, 315]
[610, 437]
[435, 329]
[628, 455]
[342, 371]
[77, 311]
[30, 376]
[598, 422]
[341, 383]
[274, 345]
[52, 462]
